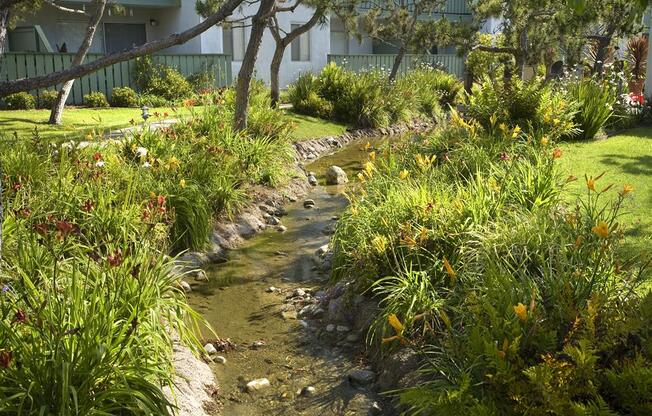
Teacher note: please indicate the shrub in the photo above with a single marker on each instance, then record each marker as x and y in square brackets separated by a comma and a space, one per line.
[124, 97]
[20, 101]
[47, 98]
[96, 100]
[304, 96]
[161, 80]
[151, 100]
[483, 64]
[595, 101]
[202, 81]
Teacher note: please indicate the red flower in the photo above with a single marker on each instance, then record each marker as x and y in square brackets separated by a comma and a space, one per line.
[17, 186]
[160, 200]
[556, 154]
[504, 156]
[25, 212]
[88, 206]
[20, 317]
[115, 259]
[65, 228]
[41, 228]
[97, 156]
[5, 358]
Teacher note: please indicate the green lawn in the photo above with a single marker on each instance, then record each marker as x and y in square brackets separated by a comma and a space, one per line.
[310, 127]
[77, 122]
[626, 159]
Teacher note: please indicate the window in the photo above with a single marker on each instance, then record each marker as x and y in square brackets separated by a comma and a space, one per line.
[233, 41]
[301, 45]
[339, 37]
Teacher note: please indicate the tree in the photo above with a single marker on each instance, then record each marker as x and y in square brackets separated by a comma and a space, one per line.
[28, 84]
[409, 25]
[94, 20]
[282, 43]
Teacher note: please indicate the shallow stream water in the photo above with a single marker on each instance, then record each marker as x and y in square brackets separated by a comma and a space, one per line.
[236, 302]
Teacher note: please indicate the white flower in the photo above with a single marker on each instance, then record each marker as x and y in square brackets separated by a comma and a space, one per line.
[146, 165]
[141, 152]
[100, 164]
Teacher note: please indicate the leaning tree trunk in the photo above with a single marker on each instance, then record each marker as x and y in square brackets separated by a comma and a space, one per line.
[4, 24]
[258, 23]
[57, 107]
[397, 63]
[601, 55]
[274, 69]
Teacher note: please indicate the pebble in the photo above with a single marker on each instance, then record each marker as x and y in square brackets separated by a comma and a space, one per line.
[298, 292]
[304, 323]
[201, 276]
[353, 337]
[309, 203]
[281, 228]
[257, 385]
[376, 409]
[312, 180]
[291, 198]
[185, 286]
[220, 359]
[322, 250]
[272, 220]
[287, 315]
[361, 377]
[258, 344]
[343, 328]
[210, 349]
[330, 328]
[308, 391]
[271, 289]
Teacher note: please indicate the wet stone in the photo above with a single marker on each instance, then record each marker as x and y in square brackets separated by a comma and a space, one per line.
[343, 328]
[281, 228]
[335, 175]
[308, 391]
[210, 349]
[201, 276]
[289, 315]
[272, 220]
[258, 385]
[185, 286]
[361, 377]
[220, 359]
[309, 203]
[272, 289]
[312, 180]
[330, 328]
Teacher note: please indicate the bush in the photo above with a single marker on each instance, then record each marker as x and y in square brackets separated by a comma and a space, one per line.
[151, 100]
[304, 96]
[20, 101]
[47, 99]
[124, 97]
[202, 81]
[595, 102]
[161, 80]
[96, 100]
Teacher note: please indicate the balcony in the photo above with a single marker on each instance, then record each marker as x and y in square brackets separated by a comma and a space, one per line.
[148, 4]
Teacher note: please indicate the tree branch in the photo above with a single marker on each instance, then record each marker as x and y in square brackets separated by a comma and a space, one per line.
[495, 49]
[27, 84]
[66, 9]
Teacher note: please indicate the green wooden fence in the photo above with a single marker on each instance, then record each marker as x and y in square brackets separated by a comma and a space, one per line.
[15, 65]
[358, 63]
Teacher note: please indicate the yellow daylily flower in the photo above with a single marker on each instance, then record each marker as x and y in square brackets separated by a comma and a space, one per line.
[626, 189]
[590, 183]
[404, 174]
[361, 177]
[601, 229]
[545, 141]
[173, 163]
[372, 156]
[369, 168]
[182, 183]
[516, 132]
[379, 243]
[521, 311]
[395, 323]
[449, 268]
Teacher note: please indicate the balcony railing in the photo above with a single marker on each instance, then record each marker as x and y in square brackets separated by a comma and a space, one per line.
[358, 63]
[450, 7]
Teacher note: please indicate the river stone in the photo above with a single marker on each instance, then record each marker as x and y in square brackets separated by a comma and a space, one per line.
[308, 391]
[335, 175]
[312, 180]
[210, 349]
[201, 276]
[185, 286]
[309, 203]
[271, 289]
[220, 359]
[322, 250]
[257, 385]
[330, 328]
[281, 228]
[343, 328]
[361, 377]
[298, 292]
[272, 220]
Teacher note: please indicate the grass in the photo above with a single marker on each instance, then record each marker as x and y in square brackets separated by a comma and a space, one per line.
[309, 127]
[625, 159]
[77, 122]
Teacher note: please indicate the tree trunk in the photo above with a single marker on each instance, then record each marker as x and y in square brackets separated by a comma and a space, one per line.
[4, 24]
[258, 23]
[397, 63]
[274, 70]
[54, 78]
[57, 108]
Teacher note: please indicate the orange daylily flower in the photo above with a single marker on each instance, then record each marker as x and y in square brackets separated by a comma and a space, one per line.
[521, 311]
[601, 229]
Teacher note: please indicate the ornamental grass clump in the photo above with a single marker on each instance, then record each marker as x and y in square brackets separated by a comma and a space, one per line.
[517, 301]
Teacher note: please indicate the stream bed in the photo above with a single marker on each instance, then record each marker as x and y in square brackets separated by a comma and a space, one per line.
[246, 300]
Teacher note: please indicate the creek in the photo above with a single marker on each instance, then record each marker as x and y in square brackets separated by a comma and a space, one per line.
[248, 300]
